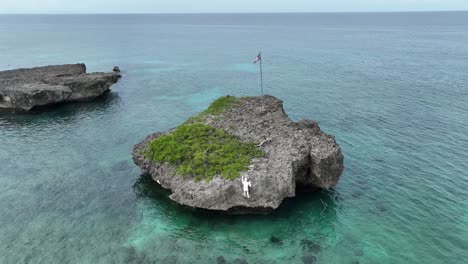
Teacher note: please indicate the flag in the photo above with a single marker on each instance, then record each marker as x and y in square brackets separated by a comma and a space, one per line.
[258, 58]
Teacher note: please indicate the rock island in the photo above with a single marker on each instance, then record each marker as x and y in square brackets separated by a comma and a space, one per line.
[237, 144]
[25, 89]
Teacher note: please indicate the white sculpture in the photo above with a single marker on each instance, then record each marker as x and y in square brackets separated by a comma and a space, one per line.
[245, 186]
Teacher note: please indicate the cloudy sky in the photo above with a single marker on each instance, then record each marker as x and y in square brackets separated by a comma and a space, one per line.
[234, 6]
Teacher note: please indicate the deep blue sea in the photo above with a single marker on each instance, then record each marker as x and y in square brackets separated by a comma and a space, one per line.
[392, 88]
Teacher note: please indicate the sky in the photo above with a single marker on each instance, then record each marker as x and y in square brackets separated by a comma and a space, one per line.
[224, 6]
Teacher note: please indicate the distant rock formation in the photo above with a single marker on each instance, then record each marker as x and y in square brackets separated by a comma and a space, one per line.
[24, 89]
[296, 154]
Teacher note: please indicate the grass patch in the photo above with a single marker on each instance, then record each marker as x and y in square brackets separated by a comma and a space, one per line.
[217, 107]
[203, 152]
[221, 104]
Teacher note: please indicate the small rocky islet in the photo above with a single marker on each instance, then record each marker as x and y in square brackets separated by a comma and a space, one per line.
[27, 89]
[237, 139]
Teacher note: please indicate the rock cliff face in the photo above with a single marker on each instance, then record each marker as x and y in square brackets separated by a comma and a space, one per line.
[24, 89]
[298, 154]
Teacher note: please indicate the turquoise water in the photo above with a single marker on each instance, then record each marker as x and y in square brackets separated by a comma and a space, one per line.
[392, 88]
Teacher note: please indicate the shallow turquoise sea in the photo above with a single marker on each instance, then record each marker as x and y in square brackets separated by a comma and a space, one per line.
[392, 88]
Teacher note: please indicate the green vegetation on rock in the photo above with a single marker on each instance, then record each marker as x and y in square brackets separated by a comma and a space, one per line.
[217, 107]
[221, 104]
[202, 151]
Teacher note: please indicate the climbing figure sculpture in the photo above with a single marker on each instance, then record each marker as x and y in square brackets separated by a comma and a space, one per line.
[245, 186]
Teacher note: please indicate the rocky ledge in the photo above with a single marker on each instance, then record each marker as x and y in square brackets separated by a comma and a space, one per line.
[296, 155]
[25, 89]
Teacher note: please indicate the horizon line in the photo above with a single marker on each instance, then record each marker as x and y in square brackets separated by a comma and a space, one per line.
[235, 13]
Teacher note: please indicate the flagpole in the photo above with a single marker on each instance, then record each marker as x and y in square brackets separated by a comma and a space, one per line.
[261, 73]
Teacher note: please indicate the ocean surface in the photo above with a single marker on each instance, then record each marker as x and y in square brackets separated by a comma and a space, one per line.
[392, 88]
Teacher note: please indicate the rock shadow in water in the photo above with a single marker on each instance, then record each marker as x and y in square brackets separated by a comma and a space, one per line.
[146, 187]
[62, 113]
[327, 201]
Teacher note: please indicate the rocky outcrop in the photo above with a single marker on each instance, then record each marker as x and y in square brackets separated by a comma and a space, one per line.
[24, 89]
[298, 154]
